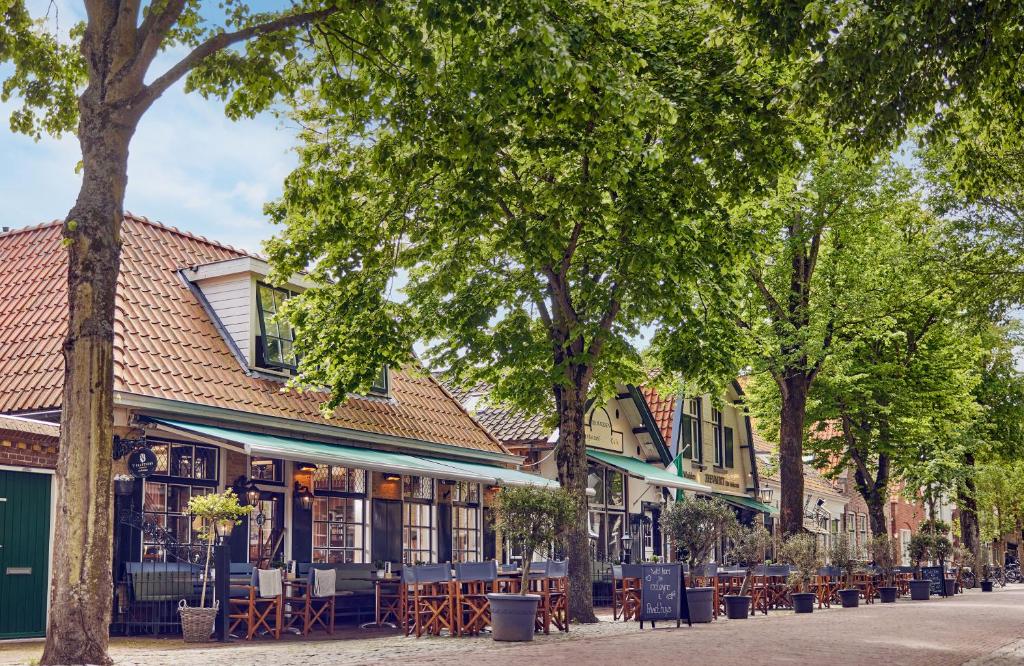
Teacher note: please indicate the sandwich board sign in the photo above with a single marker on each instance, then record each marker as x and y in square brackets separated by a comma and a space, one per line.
[663, 594]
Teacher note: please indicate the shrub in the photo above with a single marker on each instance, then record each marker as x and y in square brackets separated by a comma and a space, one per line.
[749, 548]
[843, 554]
[885, 552]
[531, 518]
[696, 525]
[801, 551]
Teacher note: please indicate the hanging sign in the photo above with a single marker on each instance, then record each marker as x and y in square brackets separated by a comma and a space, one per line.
[141, 462]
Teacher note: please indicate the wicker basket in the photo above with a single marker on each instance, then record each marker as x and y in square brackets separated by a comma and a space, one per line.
[197, 623]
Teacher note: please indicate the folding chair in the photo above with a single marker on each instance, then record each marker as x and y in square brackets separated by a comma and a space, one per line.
[312, 601]
[256, 609]
[473, 581]
[557, 583]
[432, 599]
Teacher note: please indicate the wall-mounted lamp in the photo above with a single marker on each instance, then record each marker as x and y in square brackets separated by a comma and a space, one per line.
[392, 477]
[305, 467]
[303, 497]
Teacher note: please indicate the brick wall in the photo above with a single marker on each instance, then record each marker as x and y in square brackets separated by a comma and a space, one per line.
[16, 453]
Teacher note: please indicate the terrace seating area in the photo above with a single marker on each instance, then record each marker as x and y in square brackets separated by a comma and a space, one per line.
[431, 599]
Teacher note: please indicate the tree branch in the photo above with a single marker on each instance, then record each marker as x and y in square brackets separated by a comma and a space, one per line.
[220, 42]
[770, 301]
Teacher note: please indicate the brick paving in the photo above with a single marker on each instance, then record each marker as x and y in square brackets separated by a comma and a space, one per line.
[975, 629]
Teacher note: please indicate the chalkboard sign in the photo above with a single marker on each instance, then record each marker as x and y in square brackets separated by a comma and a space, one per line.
[934, 576]
[662, 593]
[142, 462]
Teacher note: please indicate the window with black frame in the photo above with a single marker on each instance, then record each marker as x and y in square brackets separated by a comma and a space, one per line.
[417, 519]
[339, 515]
[277, 339]
[716, 430]
[266, 470]
[182, 472]
[607, 512]
[465, 522]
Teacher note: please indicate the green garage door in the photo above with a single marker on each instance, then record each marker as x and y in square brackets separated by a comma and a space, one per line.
[24, 550]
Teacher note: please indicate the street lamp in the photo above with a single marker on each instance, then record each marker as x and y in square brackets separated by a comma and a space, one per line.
[224, 528]
[627, 543]
[303, 496]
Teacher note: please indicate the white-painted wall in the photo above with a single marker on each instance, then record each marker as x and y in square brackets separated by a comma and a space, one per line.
[233, 299]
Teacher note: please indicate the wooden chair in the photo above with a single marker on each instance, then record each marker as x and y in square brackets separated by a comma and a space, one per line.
[629, 593]
[309, 608]
[473, 581]
[431, 602]
[557, 584]
[255, 609]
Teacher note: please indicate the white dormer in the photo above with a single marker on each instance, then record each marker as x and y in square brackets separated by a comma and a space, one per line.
[242, 302]
[243, 305]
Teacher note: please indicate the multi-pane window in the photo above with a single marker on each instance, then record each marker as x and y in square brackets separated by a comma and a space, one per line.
[730, 454]
[606, 515]
[339, 479]
[692, 431]
[276, 337]
[465, 522]
[382, 384]
[417, 519]
[716, 429]
[339, 514]
[417, 529]
[262, 539]
[182, 471]
[862, 533]
[185, 461]
[266, 470]
[339, 529]
[165, 508]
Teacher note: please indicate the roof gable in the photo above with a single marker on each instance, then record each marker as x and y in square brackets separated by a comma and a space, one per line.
[166, 345]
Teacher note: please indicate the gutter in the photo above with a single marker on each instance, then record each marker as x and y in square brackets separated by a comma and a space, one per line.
[249, 421]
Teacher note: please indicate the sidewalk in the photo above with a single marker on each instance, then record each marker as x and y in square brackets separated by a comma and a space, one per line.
[975, 629]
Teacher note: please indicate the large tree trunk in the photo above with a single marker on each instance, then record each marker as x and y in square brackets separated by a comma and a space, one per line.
[874, 491]
[82, 587]
[967, 504]
[791, 450]
[572, 474]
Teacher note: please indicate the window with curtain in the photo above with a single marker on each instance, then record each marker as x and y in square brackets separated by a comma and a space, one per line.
[182, 471]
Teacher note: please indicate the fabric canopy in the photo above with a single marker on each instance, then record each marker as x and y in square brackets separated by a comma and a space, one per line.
[287, 448]
[652, 474]
[747, 503]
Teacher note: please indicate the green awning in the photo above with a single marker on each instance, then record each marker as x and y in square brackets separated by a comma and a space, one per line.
[747, 503]
[652, 474]
[300, 450]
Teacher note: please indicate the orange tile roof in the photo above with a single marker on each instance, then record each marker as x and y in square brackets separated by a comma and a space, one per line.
[166, 346]
[22, 428]
[662, 409]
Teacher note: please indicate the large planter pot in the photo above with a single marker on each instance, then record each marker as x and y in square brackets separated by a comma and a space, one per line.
[888, 594]
[850, 598]
[197, 623]
[513, 616]
[701, 601]
[737, 607]
[986, 586]
[803, 602]
[920, 590]
[950, 586]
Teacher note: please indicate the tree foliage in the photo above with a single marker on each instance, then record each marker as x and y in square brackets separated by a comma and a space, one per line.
[697, 525]
[532, 518]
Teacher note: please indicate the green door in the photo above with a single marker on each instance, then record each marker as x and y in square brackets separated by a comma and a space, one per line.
[24, 553]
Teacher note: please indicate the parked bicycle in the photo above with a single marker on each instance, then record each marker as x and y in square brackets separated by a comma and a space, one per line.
[1013, 574]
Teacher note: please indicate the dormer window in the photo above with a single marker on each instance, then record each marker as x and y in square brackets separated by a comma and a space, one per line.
[275, 346]
[382, 384]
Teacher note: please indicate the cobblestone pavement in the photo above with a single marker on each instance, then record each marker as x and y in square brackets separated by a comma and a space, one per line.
[975, 629]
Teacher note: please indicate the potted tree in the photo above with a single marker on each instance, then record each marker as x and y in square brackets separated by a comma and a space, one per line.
[982, 566]
[885, 552]
[216, 512]
[696, 525]
[748, 549]
[919, 549]
[529, 518]
[843, 554]
[801, 552]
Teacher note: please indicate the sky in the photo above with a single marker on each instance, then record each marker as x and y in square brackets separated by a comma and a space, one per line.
[189, 166]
